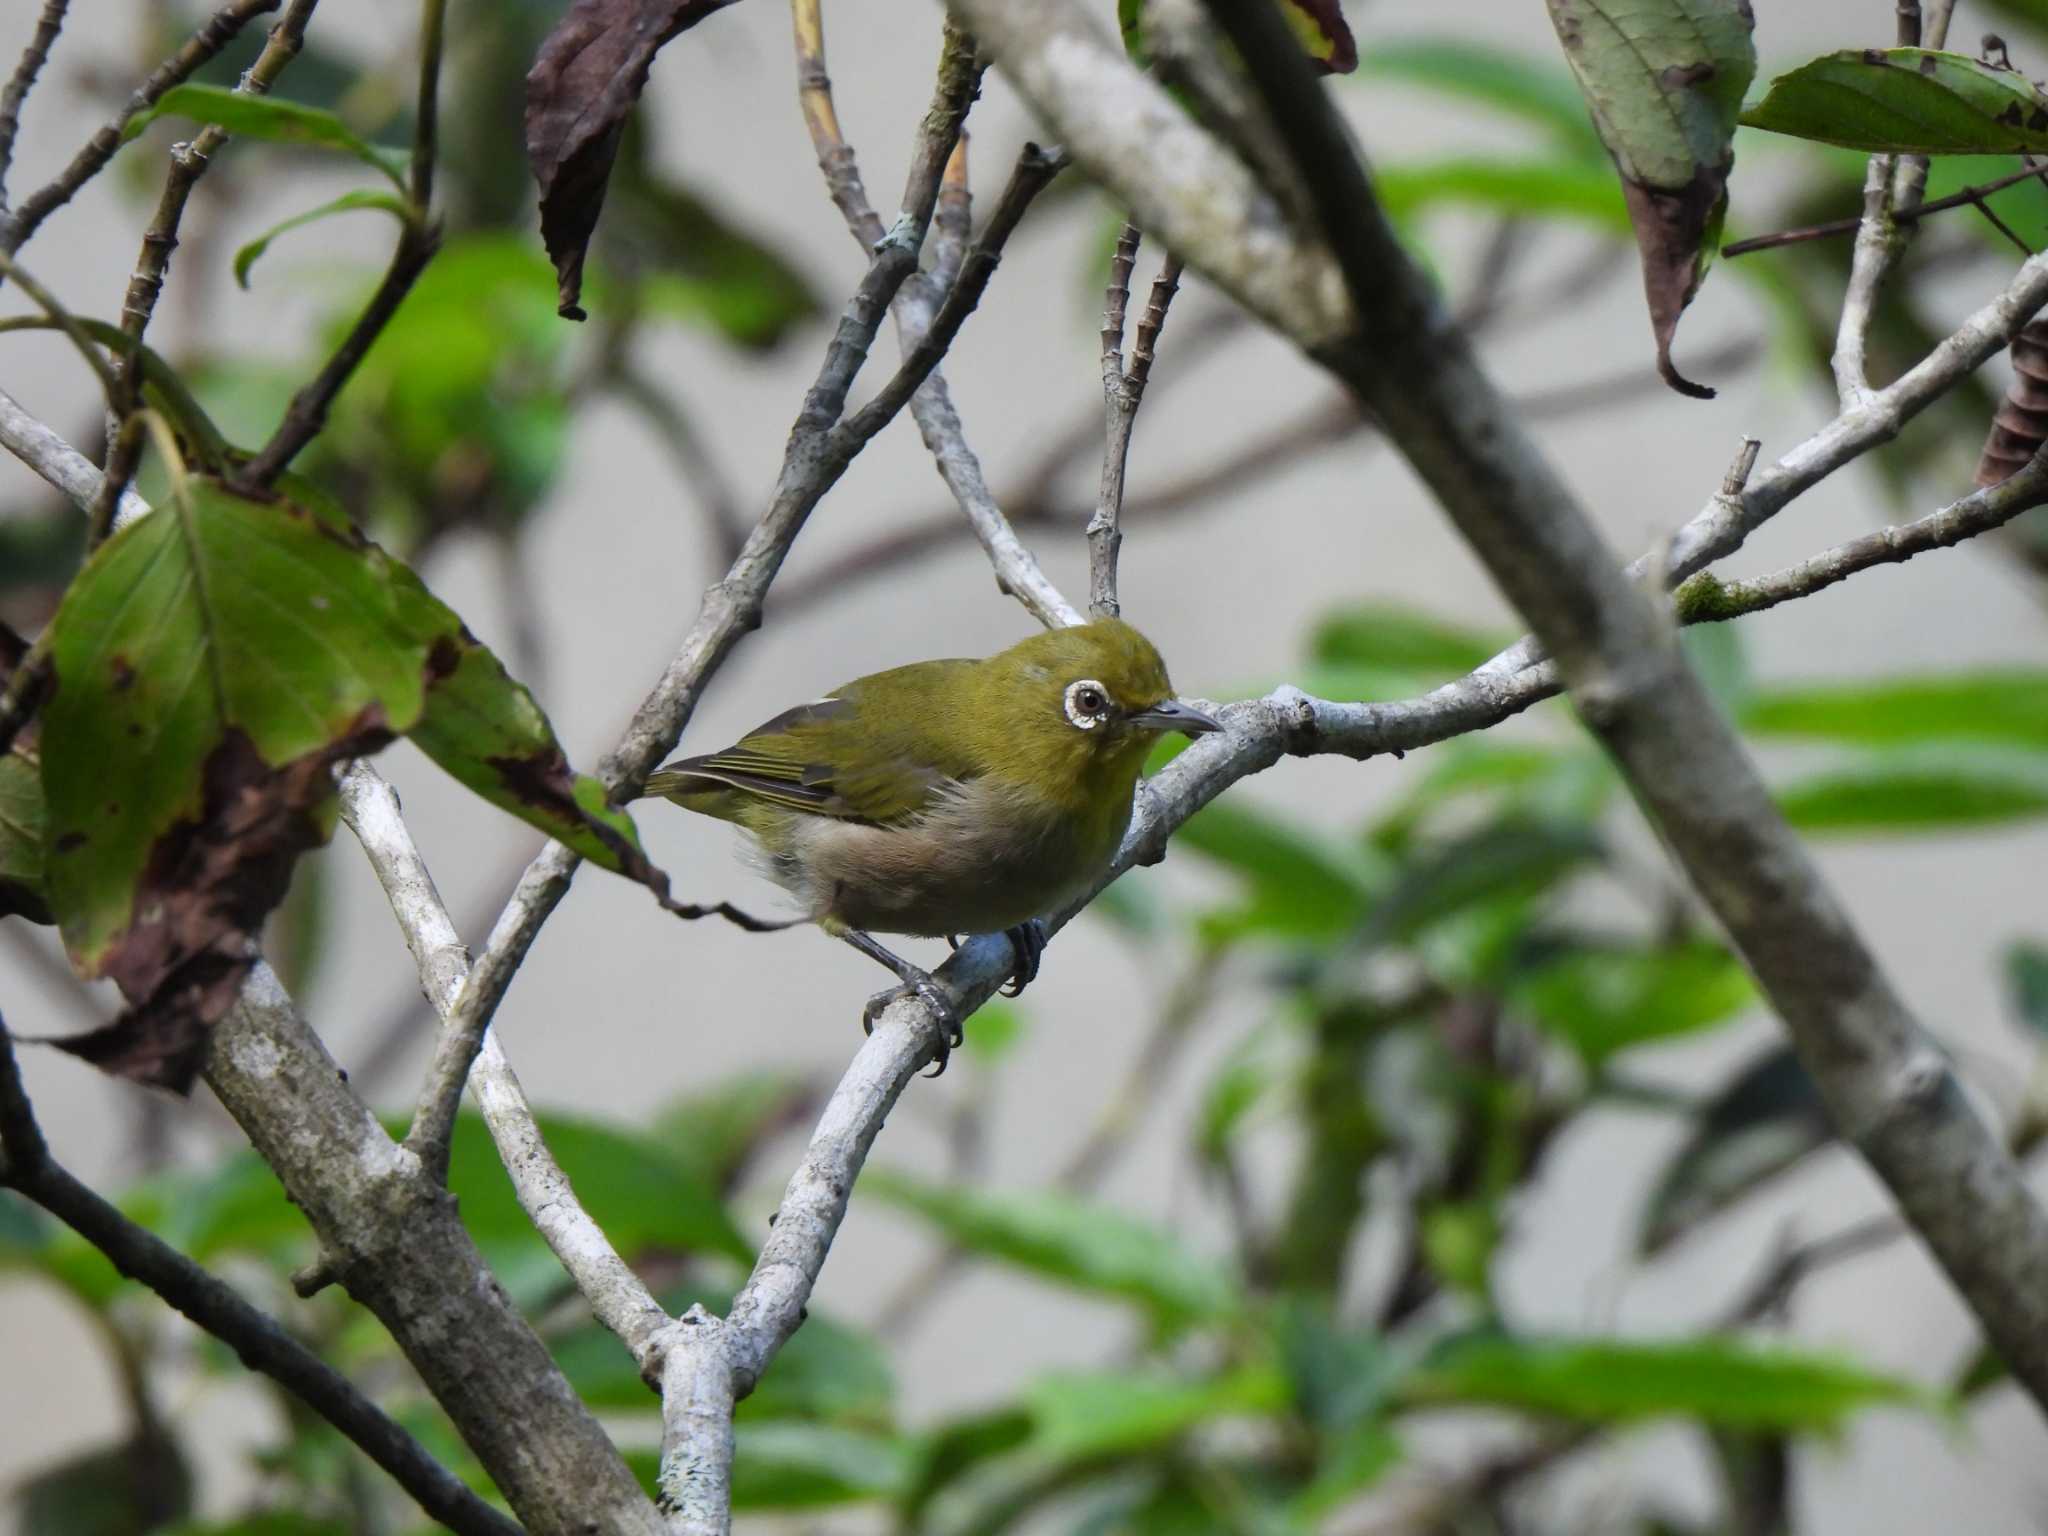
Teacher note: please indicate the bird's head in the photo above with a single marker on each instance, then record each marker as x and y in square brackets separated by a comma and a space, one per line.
[1087, 699]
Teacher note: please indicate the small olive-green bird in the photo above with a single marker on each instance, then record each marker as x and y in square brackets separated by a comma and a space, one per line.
[949, 797]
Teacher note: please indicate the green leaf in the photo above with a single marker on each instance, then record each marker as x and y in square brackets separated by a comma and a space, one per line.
[1400, 638]
[1906, 101]
[956, 1448]
[1543, 785]
[1764, 1120]
[1501, 79]
[1506, 859]
[1083, 1245]
[1294, 885]
[1720, 1381]
[213, 662]
[642, 1197]
[1931, 790]
[713, 1132]
[805, 1466]
[2026, 980]
[2007, 707]
[236, 1207]
[1603, 1000]
[1351, 1463]
[1526, 188]
[250, 254]
[163, 389]
[484, 729]
[266, 117]
[1664, 80]
[1122, 1413]
[713, 273]
[998, 1026]
[21, 833]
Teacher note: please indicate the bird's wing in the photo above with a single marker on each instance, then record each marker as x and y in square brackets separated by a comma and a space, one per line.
[855, 754]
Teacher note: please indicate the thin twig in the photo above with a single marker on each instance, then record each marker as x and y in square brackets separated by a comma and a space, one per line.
[817, 454]
[938, 422]
[417, 242]
[189, 162]
[814, 96]
[62, 465]
[1886, 1084]
[215, 34]
[257, 1339]
[952, 218]
[1972, 196]
[1706, 599]
[33, 56]
[1033, 172]
[617, 1296]
[1123, 390]
[47, 302]
[1115, 1128]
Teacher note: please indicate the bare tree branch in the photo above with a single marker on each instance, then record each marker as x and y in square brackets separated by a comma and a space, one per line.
[1017, 570]
[218, 31]
[257, 1339]
[616, 1295]
[389, 1231]
[1122, 391]
[818, 454]
[189, 162]
[392, 1235]
[1886, 1084]
[34, 55]
[1705, 598]
[418, 240]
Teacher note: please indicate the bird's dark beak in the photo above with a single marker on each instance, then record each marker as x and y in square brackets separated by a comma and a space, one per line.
[1172, 715]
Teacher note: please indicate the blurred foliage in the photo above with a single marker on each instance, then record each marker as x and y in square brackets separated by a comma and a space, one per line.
[1446, 992]
[1439, 995]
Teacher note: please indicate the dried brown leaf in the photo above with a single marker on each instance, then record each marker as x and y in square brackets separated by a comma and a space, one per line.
[208, 886]
[584, 83]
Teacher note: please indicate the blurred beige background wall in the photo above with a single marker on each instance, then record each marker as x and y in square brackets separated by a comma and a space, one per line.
[619, 1007]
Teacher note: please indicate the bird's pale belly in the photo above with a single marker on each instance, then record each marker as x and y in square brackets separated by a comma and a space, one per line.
[954, 870]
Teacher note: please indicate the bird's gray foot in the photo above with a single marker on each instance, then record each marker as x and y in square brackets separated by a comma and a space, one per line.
[1029, 941]
[917, 982]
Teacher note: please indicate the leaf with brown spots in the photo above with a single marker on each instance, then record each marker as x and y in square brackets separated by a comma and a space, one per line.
[1664, 81]
[583, 85]
[1906, 101]
[214, 662]
[21, 831]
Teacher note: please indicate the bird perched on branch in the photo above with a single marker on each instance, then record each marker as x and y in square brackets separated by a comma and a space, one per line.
[948, 797]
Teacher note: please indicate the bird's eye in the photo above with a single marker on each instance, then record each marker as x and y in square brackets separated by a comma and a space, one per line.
[1087, 703]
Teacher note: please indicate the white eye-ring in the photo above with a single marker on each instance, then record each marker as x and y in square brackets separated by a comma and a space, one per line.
[1087, 703]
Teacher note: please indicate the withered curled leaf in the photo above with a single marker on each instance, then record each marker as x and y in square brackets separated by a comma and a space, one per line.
[1664, 81]
[584, 83]
[214, 663]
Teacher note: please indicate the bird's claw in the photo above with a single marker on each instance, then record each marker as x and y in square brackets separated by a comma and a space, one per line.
[935, 997]
[1029, 941]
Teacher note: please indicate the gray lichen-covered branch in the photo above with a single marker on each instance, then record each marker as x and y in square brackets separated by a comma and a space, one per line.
[27, 1166]
[1887, 1086]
